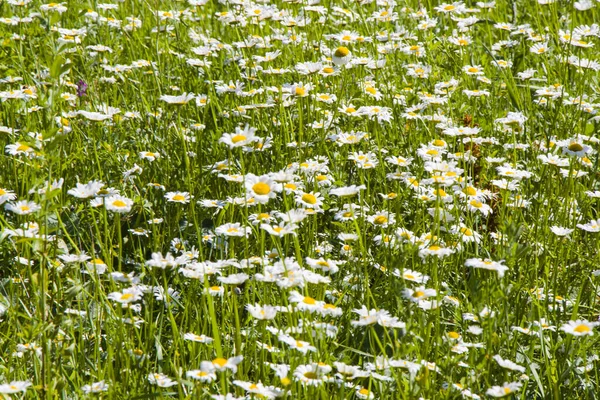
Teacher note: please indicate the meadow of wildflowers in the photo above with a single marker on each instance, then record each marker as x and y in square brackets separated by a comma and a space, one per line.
[303, 199]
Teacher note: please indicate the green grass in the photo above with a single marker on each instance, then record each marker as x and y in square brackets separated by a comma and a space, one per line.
[442, 273]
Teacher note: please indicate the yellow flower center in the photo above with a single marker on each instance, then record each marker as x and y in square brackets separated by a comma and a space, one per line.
[220, 362]
[178, 197]
[582, 328]
[309, 300]
[310, 375]
[309, 198]
[261, 188]
[476, 204]
[380, 220]
[119, 203]
[470, 190]
[238, 138]
[300, 91]
[466, 231]
[575, 147]
[341, 52]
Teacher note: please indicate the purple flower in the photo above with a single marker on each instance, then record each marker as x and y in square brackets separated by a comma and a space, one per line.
[81, 88]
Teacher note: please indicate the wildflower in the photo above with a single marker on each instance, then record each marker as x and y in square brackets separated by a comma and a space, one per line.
[149, 155]
[197, 338]
[310, 200]
[262, 188]
[161, 380]
[97, 387]
[300, 345]
[118, 204]
[241, 137]
[305, 303]
[181, 99]
[234, 279]
[6, 195]
[14, 387]
[382, 219]
[592, 226]
[347, 191]
[262, 312]
[508, 364]
[202, 375]
[364, 393]
[504, 390]
[411, 275]
[579, 328]
[258, 389]
[280, 230]
[435, 250]
[23, 207]
[476, 205]
[487, 264]
[561, 231]
[418, 294]
[341, 56]
[233, 229]
[473, 70]
[178, 197]
[81, 88]
[221, 364]
[573, 147]
[310, 374]
[128, 296]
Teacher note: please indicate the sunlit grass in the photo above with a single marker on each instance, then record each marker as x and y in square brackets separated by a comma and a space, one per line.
[299, 199]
